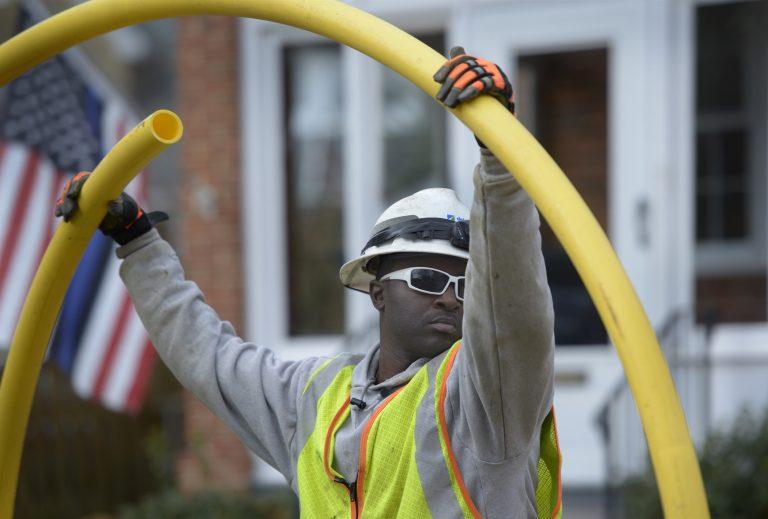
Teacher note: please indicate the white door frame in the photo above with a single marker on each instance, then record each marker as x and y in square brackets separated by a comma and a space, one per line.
[621, 26]
[632, 31]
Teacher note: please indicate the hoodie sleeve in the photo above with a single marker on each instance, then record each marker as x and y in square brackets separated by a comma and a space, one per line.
[245, 385]
[505, 366]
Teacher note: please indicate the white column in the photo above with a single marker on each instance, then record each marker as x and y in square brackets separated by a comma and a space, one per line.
[363, 176]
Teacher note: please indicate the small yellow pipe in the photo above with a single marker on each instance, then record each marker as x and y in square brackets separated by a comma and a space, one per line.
[672, 453]
[38, 316]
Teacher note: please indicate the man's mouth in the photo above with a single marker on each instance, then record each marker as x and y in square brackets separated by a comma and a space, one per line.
[444, 324]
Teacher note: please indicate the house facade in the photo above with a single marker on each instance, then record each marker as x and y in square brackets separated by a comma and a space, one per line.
[655, 109]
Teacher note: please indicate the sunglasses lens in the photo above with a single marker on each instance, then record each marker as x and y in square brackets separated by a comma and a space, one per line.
[460, 288]
[429, 280]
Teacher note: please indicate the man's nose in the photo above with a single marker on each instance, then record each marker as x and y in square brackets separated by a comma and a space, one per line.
[448, 298]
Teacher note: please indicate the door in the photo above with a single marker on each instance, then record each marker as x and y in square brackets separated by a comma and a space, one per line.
[578, 72]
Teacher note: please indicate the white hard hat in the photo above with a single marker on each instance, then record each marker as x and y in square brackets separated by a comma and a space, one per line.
[426, 222]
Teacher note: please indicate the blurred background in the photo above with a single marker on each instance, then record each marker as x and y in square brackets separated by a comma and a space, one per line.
[655, 109]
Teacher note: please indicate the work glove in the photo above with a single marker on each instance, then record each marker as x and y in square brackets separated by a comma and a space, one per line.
[124, 220]
[465, 77]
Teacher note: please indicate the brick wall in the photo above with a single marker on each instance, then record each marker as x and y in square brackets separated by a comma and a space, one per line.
[207, 82]
[572, 121]
[731, 299]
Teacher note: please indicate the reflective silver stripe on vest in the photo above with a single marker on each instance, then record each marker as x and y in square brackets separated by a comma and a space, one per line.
[431, 464]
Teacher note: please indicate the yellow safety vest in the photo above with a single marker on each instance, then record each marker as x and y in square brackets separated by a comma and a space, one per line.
[388, 482]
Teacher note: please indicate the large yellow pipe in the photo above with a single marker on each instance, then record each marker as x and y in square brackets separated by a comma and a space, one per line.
[672, 453]
[38, 316]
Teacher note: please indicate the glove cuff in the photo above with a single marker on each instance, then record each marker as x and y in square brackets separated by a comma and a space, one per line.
[140, 226]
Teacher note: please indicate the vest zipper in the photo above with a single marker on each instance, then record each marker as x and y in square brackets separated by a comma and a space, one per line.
[354, 502]
[332, 474]
[352, 489]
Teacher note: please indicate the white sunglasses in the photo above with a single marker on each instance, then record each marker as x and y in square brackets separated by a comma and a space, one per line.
[429, 280]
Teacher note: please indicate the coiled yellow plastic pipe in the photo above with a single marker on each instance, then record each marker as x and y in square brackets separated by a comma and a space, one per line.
[672, 453]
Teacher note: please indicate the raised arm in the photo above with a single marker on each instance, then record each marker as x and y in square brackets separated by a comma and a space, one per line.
[506, 362]
[505, 368]
[245, 385]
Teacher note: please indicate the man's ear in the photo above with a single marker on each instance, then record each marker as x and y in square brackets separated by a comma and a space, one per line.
[376, 292]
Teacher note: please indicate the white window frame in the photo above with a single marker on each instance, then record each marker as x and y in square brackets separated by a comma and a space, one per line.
[263, 203]
[728, 257]
[263, 172]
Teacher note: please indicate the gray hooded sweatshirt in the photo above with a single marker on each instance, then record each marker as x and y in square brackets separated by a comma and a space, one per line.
[502, 376]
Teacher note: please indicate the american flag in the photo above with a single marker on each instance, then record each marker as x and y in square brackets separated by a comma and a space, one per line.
[53, 124]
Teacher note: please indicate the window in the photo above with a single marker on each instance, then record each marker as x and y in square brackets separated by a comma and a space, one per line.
[414, 135]
[722, 188]
[313, 125]
[730, 127]
[730, 92]
[409, 138]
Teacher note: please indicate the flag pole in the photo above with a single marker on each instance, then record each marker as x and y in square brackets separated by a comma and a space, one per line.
[38, 316]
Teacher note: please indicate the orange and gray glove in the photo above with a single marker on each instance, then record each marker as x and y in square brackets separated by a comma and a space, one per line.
[124, 220]
[465, 77]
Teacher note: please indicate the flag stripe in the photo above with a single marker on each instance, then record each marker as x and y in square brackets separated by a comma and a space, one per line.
[96, 336]
[11, 168]
[50, 219]
[78, 303]
[8, 192]
[18, 213]
[26, 257]
[59, 181]
[142, 378]
[127, 358]
[112, 347]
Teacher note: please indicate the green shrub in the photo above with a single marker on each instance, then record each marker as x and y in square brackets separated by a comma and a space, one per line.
[210, 505]
[734, 465]
[168, 503]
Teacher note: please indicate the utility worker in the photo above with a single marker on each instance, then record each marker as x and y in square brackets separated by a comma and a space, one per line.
[450, 415]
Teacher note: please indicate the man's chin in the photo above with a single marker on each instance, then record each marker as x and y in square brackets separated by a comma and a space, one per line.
[438, 345]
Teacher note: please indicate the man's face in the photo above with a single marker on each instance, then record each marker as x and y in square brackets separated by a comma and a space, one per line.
[419, 325]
